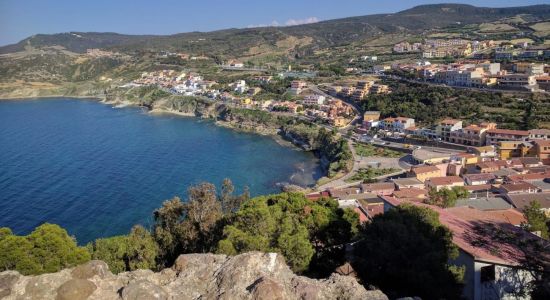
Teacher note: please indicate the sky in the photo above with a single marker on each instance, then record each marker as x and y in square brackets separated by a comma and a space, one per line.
[22, 18]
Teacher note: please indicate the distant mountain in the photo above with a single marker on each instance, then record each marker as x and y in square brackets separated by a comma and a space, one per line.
[326, 33]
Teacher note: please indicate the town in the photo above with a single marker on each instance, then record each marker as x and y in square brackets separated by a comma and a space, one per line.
[400, 155]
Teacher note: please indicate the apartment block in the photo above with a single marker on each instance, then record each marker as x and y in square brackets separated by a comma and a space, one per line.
[494, 136]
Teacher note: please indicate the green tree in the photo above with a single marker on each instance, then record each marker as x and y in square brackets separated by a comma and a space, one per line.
[289, 224]
[111, 250]
[405, 252]
[142, 250]
[446, 197]
[137, 250]
[194, 226]
[529, 120]
[45, 250]
[536, 219]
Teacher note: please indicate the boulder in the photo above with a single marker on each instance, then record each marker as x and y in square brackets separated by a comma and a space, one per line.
[75, 289]
[252, 275]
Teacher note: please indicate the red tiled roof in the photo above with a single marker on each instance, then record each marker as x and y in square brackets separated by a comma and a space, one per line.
[479, 187]
[478, 177]
[508, 131]
[510, 215]
[409, 193]
[469, 235]
[446, 180]
[528, 177]
[517, 187]
[450, 121]
[425, 169]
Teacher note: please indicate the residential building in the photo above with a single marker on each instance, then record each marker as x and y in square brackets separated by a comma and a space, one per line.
[445, 127]
[371, 116]
[485, 203]
[479, 179]
[381, 188]
[410, 182]
[314, 100]
[539, 134]
[423, 173]
[484, 152]
[511, 149]
[411, 194]
[296, 86]
[517, 81]
[472, 135]
[523, 200]
[520, 187]
[529, 68]
[490, 68]
[494, 136]
[439, 183]
[379, 89]
[543, 150]
[398, 124]
[488, 274]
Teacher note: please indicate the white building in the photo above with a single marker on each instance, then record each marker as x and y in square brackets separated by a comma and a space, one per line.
[314, 100]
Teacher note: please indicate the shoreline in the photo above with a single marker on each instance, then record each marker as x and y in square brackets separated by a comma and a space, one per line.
[279, 139]
[100, 98]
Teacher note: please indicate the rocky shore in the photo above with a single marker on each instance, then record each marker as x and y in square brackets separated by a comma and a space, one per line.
[252, 275]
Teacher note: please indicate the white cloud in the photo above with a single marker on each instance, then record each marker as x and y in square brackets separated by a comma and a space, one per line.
[309, 20]
[290, 22]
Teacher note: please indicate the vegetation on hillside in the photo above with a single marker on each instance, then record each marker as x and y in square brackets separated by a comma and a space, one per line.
[429, 104]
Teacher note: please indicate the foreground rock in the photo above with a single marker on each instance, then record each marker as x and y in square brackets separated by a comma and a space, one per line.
[251, 275]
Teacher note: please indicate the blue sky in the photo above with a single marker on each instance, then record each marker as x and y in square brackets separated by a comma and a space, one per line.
[22, 18]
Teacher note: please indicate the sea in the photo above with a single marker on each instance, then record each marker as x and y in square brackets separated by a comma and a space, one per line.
[96, 170]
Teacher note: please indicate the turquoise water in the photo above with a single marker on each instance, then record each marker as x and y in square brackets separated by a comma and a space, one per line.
[97, 170]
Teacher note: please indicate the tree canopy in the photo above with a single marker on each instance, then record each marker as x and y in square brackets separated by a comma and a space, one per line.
[194, 226]
[446, 197]
[289, 224]
[537, 221]
[47, 249]
[405, 252]
[138, 250]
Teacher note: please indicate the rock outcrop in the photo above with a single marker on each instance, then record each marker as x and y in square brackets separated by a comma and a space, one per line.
[251, 275]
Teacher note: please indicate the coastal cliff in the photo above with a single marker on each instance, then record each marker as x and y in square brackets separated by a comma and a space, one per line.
[252, 275]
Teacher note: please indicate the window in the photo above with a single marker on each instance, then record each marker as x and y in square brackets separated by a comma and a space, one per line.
[488, 273]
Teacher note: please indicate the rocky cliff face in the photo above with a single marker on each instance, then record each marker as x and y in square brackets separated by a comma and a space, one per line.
[252, 275]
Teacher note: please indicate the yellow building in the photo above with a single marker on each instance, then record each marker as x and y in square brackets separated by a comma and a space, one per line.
[423, 173]
[371, 116]
[246, 101]
[511, 149]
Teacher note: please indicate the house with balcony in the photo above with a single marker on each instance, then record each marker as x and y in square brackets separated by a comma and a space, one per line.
[472, 135]
[539, 134]
[313, 100]
[517, 81]
[513, 149]
[494, 136]
[445, 127]
[398, 124]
